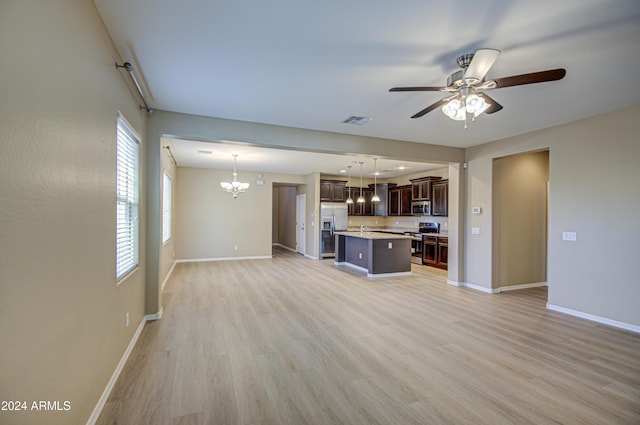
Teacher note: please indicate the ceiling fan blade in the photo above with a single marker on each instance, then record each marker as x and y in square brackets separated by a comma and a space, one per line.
[532, 78]
[495, 106]
[482, 61]
[430, 108]
[426, 88]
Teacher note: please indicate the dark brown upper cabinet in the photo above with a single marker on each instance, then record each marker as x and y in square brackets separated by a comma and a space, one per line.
[333, 190]
[440, 198]
[421, 188]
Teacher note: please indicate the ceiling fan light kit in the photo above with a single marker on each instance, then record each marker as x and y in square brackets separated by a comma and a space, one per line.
[467, 86]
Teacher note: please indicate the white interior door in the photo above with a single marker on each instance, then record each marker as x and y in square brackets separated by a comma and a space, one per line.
[301, 214]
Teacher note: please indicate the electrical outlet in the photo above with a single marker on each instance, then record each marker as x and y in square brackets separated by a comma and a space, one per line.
[126, 320]
[360, 255]
[235, 247]
[390, 245]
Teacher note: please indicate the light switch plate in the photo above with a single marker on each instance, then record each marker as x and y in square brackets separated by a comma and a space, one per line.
[390, 245]
[475, 230]
[569, 236]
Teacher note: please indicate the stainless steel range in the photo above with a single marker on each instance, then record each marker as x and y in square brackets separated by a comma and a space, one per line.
[417, 242]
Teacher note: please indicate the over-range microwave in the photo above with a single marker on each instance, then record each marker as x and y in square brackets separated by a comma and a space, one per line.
[421, 208]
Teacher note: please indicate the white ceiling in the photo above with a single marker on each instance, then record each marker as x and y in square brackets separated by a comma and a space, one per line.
[219, 155]
[313, 64]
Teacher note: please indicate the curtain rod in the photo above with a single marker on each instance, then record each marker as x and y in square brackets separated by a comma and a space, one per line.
[129, 69]
[173, 158]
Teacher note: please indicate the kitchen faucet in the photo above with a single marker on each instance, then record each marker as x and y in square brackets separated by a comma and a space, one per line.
[362, 229]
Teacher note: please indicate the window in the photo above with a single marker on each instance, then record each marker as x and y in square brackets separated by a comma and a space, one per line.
[166, 207]
[127, 198]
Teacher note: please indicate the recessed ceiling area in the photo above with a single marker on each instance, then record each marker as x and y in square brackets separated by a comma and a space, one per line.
[219, 155]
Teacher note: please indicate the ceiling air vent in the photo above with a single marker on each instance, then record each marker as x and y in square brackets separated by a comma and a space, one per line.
[357, 120]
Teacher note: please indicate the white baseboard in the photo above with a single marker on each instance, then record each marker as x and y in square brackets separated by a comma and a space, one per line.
[495, 290]
[288, 248]
[523, 286]
[376, 275]
[107, 391]
[482, 288]
[365, 270]
[166, 278]
[155, 316]
[351, 265]
[594, 318]
[472, 286]
[199, 260]
[293, 250]
[311, 257]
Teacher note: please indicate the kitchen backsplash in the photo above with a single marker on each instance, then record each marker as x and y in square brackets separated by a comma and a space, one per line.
[403, 222]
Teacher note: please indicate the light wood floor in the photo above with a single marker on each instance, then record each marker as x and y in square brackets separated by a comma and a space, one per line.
[296, 341]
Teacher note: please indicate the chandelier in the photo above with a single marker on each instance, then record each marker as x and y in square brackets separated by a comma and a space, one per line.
[234, 187]
[464, 103]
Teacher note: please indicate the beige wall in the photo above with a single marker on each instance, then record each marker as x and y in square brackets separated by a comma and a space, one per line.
[168, 249]
[520, 219]
[406, 179]
[62, 316]
[593, 175]
[210, 223]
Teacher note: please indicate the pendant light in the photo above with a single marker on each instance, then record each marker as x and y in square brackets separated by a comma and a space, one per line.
[375, 198]
[349, 198]
[360, 198]
[234, 187]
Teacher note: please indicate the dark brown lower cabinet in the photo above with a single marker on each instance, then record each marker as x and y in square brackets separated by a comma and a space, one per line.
[430, 250]
[435, 251]
[443, 252]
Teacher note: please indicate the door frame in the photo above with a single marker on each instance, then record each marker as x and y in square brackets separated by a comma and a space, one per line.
[301, 223]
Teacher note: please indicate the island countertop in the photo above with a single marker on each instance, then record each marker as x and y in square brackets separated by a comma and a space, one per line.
[374, 235]
[378, 254]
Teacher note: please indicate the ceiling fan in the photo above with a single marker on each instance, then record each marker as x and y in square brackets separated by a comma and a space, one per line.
[467, 86]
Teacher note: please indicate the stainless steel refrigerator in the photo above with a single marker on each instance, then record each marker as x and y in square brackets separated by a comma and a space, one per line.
[333, 218]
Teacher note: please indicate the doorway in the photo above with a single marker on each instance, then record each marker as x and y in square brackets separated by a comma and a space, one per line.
[519, 221]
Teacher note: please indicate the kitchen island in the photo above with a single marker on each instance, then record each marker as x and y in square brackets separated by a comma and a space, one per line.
[379, 254]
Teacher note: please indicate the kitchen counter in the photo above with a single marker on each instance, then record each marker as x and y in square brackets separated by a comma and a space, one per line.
[396, 230]
[378, 254]
[374, 235]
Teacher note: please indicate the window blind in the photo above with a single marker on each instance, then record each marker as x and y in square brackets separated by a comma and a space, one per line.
[127, 199]
[166, 207]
